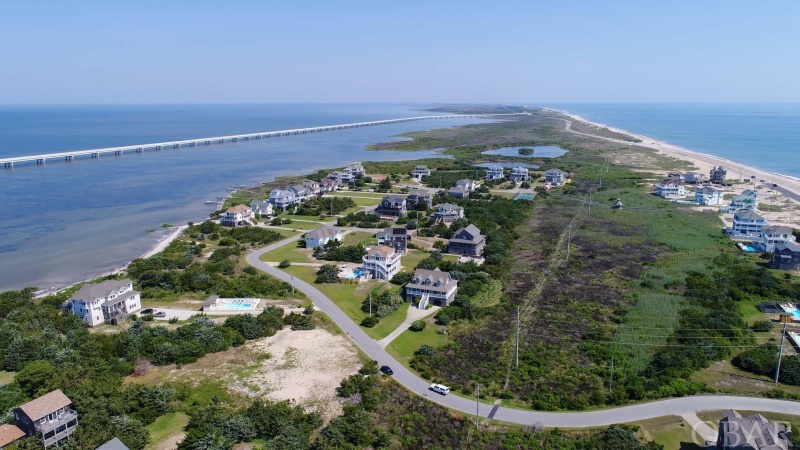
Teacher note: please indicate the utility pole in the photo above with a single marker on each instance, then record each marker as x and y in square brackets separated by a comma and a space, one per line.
[780, 353]
[611, 378]
[516, 363]
[478, 407]
[590, 201]
[569, 238]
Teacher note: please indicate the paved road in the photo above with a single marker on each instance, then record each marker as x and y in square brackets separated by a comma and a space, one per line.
[419, 386]
[791, 194]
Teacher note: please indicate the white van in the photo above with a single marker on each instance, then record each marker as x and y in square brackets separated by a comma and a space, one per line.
[444, 390]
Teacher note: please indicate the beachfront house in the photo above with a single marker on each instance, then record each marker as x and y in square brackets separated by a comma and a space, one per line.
[395, 237]
[750, 433]
[327, 185]
[105, 302]
[283, 199]
[467, 241]
[677, 176]
[520, 174]
[748, 223]
[467, 185]
[693, 177]
[10, 434]
[392, 206]
[431, 286]
[777, 234]
[338, 178]
[261, 208]
[381, 262]
[494, 172]
[320, 236]
[717, 175]
[419, 199]
[50, 417]
[785, 256]
[448, 213]
[355, 169]
[312, 187]
[708, 196]
[236, 216]
[420, 172]
[554, 176]
[746, 200]
[301, 192]
[458, 192]
[671, 189]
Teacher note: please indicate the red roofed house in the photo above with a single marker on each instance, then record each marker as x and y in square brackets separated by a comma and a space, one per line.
[9, 434]
[49, 416]
[236, 216]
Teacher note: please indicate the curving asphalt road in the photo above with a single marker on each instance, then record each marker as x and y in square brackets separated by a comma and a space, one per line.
[412, 382]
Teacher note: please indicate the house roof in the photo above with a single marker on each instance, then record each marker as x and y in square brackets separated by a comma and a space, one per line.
[120, 298]
[793, 247]
[281, 193]
[322, 232]
[327, 182]
[382, 250]
[444, 207]
[747, 215]
[237, 209]
[421, 168]
[778, 229]
[394, 199]
[9, 434]
[260, 204]
[465, 181]
[457, 189]
[114, 444]
[494, 167]
[94, 291]
[520, 169]
[669, 182]
[419, 193]
[754, 431]
[473, 231]
[46, 404]
[422, 275]
[552, 171]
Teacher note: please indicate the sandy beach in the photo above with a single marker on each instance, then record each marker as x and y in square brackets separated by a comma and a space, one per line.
[704, 163]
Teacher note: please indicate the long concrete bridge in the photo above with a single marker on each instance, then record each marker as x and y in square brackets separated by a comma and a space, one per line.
[119, 151]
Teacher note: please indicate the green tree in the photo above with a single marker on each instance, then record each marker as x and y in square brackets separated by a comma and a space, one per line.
[35, 377]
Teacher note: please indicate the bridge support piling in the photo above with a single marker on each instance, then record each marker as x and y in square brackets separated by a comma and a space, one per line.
[40, 161]
[9, 165]
[70, 158]
[140, 150]
[117, 152]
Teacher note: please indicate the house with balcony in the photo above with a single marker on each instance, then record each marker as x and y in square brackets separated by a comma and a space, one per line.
[320, 236]
[328, 185]
[355, 169]
[458, 192]
[301, 192]
[554, 177]
[392, 206]
[520, 174]
[671, 189]
[381, 262]
[50, 417]
[236, 216]
[394, 237]
[417, 198]
[744, 201]
[283, 199]
[785, 256]
[494, 172]
[777, 234]
[262, 208]
[717, 175]
[10, 434]
[748, 223]
[467, 241]
[338, 178]
[467, 185]
[448, 212]
[755, 432]
[420, 172]
[708, 196]
[105, 302]
[312, 187]
[431, 286]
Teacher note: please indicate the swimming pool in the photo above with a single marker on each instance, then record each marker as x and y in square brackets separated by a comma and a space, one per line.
[355, 274]
[239, 306]
[791, 310]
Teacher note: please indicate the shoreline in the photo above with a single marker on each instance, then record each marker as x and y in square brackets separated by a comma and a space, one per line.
[703, 161]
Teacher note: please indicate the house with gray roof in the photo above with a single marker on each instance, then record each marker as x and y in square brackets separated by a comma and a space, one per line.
[320, 236]
[261, 208]
[750, 433]
[432, 286]
[746, 200]
[392, 206]
[748, 223]
[467, 241]
[785, 256]
[283, 199]
[708, 196]
[494, 172]
[396, 237]
[381, 262]
[520, 174]
[418, 197]
[105, 302]
[50, 417]
[777, 234]
[693, 177]
[448, 212]
[420, 172]
[468, 185]
[554, 176]
[458, 192]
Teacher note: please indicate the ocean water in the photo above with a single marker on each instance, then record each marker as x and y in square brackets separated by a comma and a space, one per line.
[765, 136]
[65, 222]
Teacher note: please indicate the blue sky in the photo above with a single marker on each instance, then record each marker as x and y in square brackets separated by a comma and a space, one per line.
[410, 51]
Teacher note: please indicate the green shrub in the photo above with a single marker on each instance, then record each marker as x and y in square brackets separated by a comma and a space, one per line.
[417, 326]
[762, 326]
[370, 321]
[284, 264]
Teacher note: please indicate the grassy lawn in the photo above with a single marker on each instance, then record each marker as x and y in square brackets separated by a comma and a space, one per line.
[305, 226]
[670, 431]
[299, 217]
[359, 237]
[389, 323]
[751, 313]
[165, 427]
[8, 377]
[375, 195]
[291, 252]
[490, 294]
[406, 344]
[412, 258]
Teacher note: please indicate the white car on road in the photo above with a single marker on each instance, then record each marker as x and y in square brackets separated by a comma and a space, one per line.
[442, 389]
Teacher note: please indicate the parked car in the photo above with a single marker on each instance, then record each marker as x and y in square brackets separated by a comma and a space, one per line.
[441, 389]
[160, 314]
[146, 311]
[387, 370]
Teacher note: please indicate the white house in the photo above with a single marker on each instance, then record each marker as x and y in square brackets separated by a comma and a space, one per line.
[236, 216]
[693, 177]
[105, 302]
[320, 236]
[468, 185]
[520, 174]
[775, 235]
[746, 200]
[748, 223]
[708, 196]
[261, 208]
[283, 198]
[494, 172]
[671, 189]
[554, 177]
[313, 187]
[432, 286]
[355, 169]
[448, 213]
[381, 262]
[420, 172]
[328, 185]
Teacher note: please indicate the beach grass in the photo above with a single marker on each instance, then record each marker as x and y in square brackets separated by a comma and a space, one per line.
[6, 377]
[359, 237]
